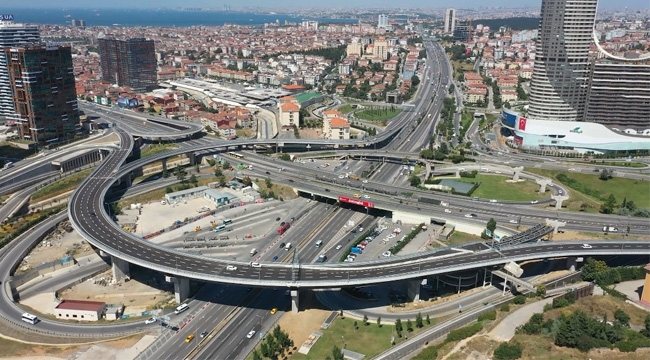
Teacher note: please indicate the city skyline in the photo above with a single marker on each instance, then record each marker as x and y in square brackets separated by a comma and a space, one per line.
[296, 4]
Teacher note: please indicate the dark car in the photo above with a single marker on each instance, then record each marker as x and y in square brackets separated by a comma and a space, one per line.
[203, 334]
[282, 223]
[293, 219]
[282, 245]
[277, 219]
[93, 214]
[268, 173]
[328, 190]
[291, 180]
[275, 258]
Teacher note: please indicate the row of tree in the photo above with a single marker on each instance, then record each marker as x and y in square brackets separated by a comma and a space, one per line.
[274, 345]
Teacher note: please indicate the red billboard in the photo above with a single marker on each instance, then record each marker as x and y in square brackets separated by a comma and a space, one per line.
[348, 200]
[522, 124]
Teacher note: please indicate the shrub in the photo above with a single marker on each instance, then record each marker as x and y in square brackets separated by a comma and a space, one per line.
[506, 351]
[490, 315]
[519, 299]
[464, 332]
[504, 308]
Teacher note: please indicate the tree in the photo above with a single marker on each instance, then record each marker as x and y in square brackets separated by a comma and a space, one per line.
[409, 325]
[605, 175]
[337, 354]
[415, 180]
[593, 268]
[541, 290]
[609, 205]
[365, 320]
[356, 325]
[415, 80]
[225, 165]
[418, 321]
[256, 355]
[491, 225]
[268, 183]
[194, 180]
[428, 320]
[398, 325]
[218, 172]
[622, 317]
[378, 321]
[180, 173]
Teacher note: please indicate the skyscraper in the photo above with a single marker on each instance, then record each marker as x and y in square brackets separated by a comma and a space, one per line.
[44, 91]
[129, 62]
[12, 34]
[462, 30]
[560, 78]
[382, 21]
[450, 21]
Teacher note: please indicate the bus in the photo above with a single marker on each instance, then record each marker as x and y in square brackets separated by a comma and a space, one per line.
[284, 228]
[238, 156]
[227, 221]
[32, 319]
[220, 228]
[181, 308]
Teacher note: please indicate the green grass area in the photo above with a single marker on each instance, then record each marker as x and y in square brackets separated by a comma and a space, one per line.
[466, 119]
[157, 148]
[380, 114]
[496, 187]
[244, 133]
[346, 109]
[458, 238]
[636, 190]
[632, 164]
[62, 186]
[368, 340]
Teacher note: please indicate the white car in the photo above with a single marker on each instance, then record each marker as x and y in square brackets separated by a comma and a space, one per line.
[468, 216]
[493, 201]
[365, 181]
[256, 265]
[231, 268]
[338, 247]
[341, 176]
[250, 334]
[448, 211]
[386, 254]
[534, 202]
[366, 196]
[586, 246]
[150, 321]
[513, 221]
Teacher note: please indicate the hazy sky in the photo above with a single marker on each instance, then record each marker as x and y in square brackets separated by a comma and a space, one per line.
[637, 4]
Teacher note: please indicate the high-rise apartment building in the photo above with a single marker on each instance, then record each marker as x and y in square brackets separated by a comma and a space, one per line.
[12, 34]
[462, 30]
[380, 48]
[619, 94]
[382, 21]
[129, 62]
[45, 98]
[560, 78]
[450, 21]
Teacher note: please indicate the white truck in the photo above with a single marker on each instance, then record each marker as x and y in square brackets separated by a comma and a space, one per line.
[609, 229]
[287, 247]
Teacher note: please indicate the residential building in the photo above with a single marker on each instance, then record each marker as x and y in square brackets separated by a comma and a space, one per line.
[129, 62]
[336, 128]
[619, 94]
[45, 97]
[558, 88]
[462, 30]
[382, 21]
[380, 49]
[450, 21]
[12, 34]
[289, 111]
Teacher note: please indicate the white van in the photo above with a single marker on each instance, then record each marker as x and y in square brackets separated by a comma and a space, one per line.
[319, 243]
[253, 252]
[181, 308]
[287, 247]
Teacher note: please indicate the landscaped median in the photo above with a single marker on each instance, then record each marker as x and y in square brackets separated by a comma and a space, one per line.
[61, 186]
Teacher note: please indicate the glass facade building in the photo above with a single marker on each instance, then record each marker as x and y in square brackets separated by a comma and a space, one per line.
[129, 62]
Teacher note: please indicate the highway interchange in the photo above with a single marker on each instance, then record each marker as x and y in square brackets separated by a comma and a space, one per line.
[249, 308]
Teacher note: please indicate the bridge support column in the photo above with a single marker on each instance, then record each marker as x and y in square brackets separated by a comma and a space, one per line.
[192, 157]
[559, 199]
[571, 263]
[414, 287]
[120, 268]
[295, 306]
[181, 289]
[164, 165]
[543, 183]
[485, 282]
[516, 172]
[556, 224]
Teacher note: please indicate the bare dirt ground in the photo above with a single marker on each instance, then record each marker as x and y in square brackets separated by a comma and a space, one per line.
[121, 349]
[55, 246]
[146, 290]
[311, 134]
[299, 326]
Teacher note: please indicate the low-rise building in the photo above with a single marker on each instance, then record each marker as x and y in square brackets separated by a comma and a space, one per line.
[336, 128]
[81, 310]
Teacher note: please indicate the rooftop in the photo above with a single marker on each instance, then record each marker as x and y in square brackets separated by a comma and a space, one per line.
[81, 305]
